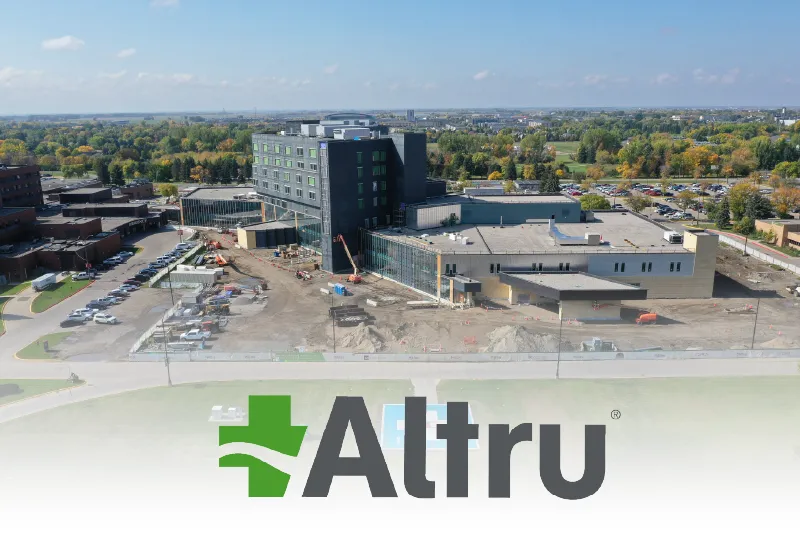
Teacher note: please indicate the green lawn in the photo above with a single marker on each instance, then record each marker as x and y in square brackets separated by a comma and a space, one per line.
[565, 146]
[3, 301]
[56, 293]
[35, 350]
[32, 387]
[10, 290]
[433, 147]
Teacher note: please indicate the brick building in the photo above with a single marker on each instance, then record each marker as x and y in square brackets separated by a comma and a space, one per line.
[20, 186]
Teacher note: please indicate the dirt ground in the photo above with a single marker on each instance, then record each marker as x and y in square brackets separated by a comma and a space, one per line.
[751, 308]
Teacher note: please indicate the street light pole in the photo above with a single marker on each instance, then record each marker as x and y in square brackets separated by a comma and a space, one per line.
[755, 323]
[558, 355]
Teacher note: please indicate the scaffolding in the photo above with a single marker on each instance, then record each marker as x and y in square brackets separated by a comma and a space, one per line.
[404, 263]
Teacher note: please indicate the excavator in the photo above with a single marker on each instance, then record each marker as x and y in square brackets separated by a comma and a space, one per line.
[354, 277]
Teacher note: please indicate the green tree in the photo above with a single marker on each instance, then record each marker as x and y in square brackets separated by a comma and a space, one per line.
[757, 208]
[116, 174]
[510, 172]
[594, 202]
[168, 189]
[638, 202]
[722, 217]
[738, 196]
[100, 167]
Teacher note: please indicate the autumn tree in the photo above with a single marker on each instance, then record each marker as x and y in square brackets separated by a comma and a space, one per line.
[737, 198]
[200, 174]
[785, 199]
[168, 189]
[638, 202]
[686, 199]
[495, 176]
[508, 186]
[225, 146]
[528, 172]
[595, 173]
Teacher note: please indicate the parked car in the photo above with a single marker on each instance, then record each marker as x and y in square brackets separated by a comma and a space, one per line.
[195, 335]
[128, 288]
[112, 262]
[119, 293]
[85, 311]
[80, 276]
[132, 281]
[111, 300]
[70, 322]
[105, 318]
[141, 278]
[96, 304]
[149, 272]
[158, 264]
[125, 254]
[79, 316]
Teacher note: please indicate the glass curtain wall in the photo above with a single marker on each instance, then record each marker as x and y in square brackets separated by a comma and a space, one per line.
[404, 263]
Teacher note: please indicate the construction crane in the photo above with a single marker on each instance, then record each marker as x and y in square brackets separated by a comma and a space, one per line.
[354, 277]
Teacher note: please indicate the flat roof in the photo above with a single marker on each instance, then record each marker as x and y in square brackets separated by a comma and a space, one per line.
[126, 204]
[573, 286]
[58, 220]
[500, 199]
[111, 224]
[87, 190]
[275, 224]
[218, 193]
[6, 211]
[621, 232]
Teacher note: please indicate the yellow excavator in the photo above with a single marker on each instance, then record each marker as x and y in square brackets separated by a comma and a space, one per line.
[354, 277]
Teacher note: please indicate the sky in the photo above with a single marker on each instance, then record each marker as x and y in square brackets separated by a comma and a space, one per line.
[104, 56]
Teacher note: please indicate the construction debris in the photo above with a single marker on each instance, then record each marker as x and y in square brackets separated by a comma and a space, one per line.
[515, 339]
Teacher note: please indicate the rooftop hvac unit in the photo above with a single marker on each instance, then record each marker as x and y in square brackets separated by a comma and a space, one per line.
[673, 237]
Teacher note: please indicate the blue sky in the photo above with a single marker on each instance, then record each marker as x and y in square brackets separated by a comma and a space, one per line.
[174, 55]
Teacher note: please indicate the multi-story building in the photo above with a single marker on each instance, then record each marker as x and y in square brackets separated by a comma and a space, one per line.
[20, 186]
[336, 179]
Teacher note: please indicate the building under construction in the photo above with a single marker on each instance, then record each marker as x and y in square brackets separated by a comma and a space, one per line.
[223, 207]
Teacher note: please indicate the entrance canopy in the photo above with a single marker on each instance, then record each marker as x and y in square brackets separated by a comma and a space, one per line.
[574, 286]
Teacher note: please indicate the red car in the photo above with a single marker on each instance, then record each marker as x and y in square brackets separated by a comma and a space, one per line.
[576, 193]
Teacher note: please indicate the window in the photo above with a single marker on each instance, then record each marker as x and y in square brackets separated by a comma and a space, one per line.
[360, 188]
[277, 187]
[361, 203]
[375, 221]
[678, 268]
[560, 266]
[672, 267]
[376, 156]
[301, 164]
[533, 267]
[383, 185]
[388, 219]
[288, 164]
[616, 267]
[265, 148]
[566, 267]
[360, 172]
[288, 150]
[276, 174]
[286, 176]
[649, 267]
[255, 160]
[277, 162]
[540, 267]
[312, 152]
[312, 181]
[358, 157]
[312, 166]
[287, 189]
[366, 223]
[383, 170]
[622, 268]
[299, 151]
[383, 156]
[374, 201]
[376, 170]
[447, 269]
[498, 268]
[644, 267]
[299, 179]
[266, 172]
[312, 195]
[383, 200]
[491, 268]
[374, 186]
[255, 147]
[277, 148]
[298, 193]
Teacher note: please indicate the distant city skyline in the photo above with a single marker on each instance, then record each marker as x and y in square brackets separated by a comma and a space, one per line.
[93, 56]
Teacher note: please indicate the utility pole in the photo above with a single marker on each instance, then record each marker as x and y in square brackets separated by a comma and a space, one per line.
[558, 356]
[755, 323]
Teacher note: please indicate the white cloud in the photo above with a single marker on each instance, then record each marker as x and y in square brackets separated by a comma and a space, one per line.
[594, 79]
[731, 76]
[113, 75]
[127, 52]
[665, 78]
[14, 77]
[174, 79]
[68, 42]
[482, 75]
[331, 69]
[165, 3]
[701, 76]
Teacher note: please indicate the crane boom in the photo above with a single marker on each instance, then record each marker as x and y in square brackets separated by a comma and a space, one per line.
[340, 239]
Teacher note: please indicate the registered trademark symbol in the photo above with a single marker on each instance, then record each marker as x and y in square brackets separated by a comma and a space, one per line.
[616, 415]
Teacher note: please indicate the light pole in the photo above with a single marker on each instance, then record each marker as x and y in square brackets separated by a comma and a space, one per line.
[755, 323]
[558, 355]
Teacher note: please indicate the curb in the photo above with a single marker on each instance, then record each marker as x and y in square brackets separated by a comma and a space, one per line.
[42, 394]
[2, 306]
[30, 308]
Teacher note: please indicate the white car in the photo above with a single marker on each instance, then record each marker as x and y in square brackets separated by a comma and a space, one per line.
[105, 318]
[125, 254]
[128, 288]
[85, 311]
[81, 276]
[79, 316]
[195, 335]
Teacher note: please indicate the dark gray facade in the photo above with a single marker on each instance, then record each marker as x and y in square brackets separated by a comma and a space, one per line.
[345, 184]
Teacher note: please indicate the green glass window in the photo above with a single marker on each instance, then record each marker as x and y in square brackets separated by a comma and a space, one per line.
[383, 200]
[255, 147]
[288, 163]
[376, 156]
[312, 152]
[358, 157]
[360, 172]
[383, 185]
[360, 188]
[265, 148]
[312, 181]
[361, 203]
[277, 149]
[277, 162]
[288, 150]
[286, 176]
[383, 170]
[383, 155]
[376, 170]
[255, 160]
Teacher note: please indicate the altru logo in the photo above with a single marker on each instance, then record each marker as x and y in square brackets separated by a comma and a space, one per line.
[270, 426]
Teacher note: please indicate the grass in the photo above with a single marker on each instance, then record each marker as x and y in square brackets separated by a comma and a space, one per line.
[56, 293]
[565, 146]
[783, 249]
[433, 147]
[133, 249]
[11, 290]
[3, 301]
[32, 387]
[35, 350]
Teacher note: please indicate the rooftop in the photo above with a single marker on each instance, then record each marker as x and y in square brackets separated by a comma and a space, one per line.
[217, 193]
[129, 204]
[621, 232]
[573, 286]
[86, 190]
[111, 224]
[58, 220]
[275, 224]
[7, 211]
[502, 199]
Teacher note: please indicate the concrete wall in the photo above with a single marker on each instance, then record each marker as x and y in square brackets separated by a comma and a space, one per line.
[781, 230]
[584, 311]
[516, 213]
[246, 239]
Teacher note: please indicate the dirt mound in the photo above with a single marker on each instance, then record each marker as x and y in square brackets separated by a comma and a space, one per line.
[516, 339]
[779, 343]
[366, 339]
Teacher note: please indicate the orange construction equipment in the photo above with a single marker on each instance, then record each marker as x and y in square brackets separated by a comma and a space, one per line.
[354, 277]
[221, 261]
[647, 318]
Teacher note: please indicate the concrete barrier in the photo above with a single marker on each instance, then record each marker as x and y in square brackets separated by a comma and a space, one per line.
[373, 303]
[324, 290]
